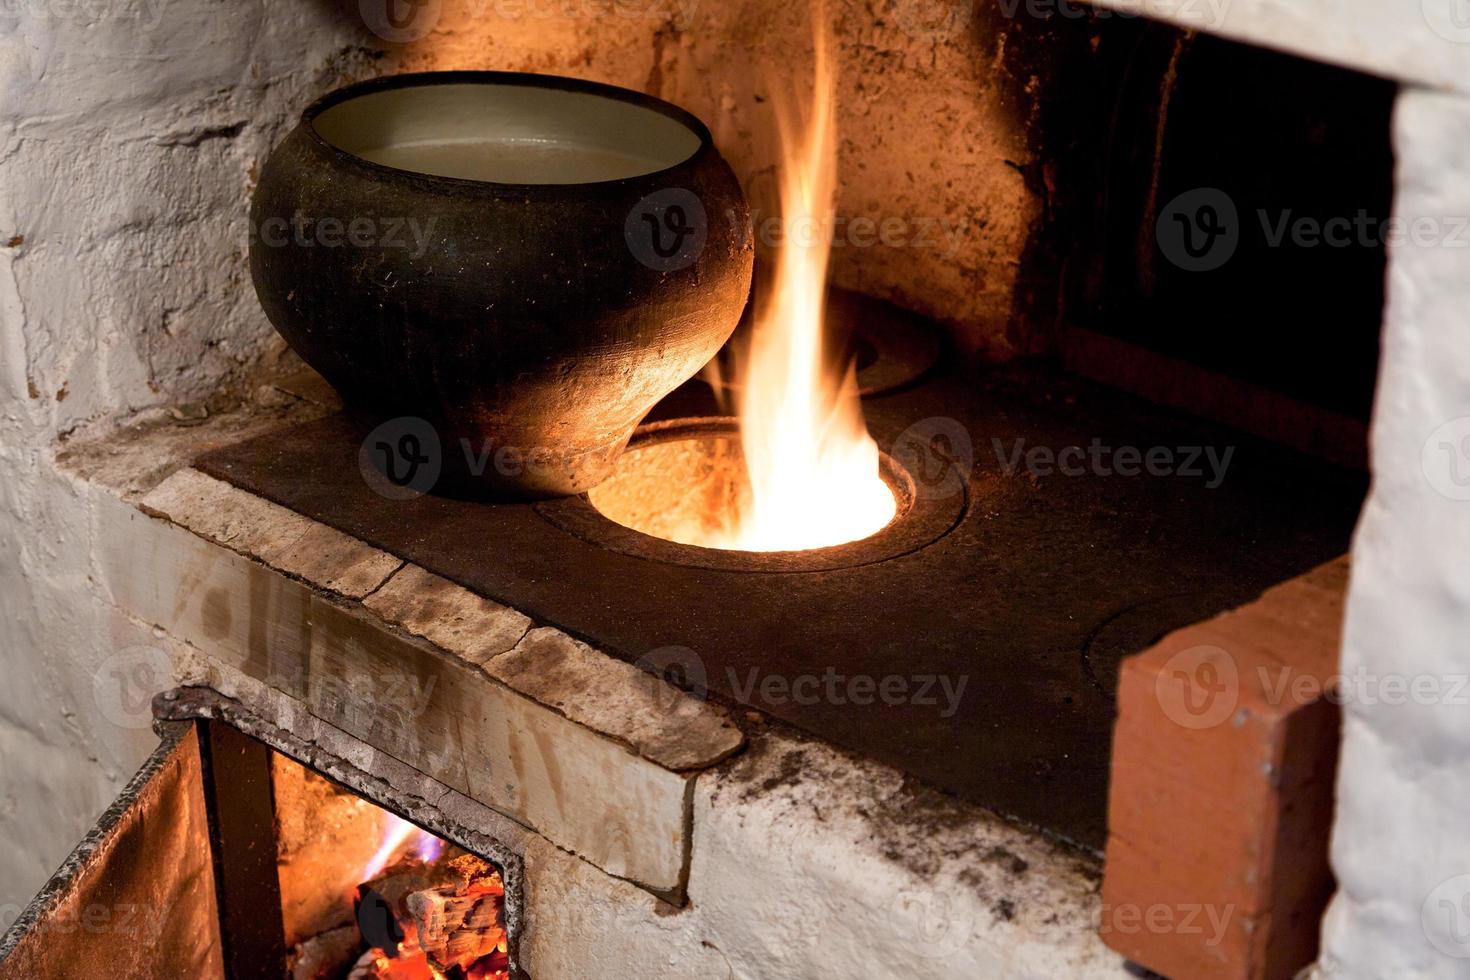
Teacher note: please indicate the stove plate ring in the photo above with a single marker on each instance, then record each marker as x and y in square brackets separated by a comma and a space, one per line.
[923, 517]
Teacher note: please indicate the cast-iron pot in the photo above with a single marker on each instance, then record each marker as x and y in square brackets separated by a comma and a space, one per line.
[510, 268]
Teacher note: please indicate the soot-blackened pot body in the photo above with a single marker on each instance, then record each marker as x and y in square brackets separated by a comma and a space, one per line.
[525, 263]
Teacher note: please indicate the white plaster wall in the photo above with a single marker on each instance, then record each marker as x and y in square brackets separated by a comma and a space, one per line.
[1422, 41]
[129, 130]
[1401, 848]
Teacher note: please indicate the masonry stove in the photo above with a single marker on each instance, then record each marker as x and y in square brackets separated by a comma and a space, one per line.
[1053, 516]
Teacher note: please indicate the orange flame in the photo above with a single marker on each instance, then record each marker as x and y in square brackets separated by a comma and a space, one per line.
[813, 467]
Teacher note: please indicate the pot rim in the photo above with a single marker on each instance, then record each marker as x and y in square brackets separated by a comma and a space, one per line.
[529, 79]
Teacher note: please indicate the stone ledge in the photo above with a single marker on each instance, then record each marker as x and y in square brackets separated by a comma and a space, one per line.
[452, 618]
[664, 724]
[660, 722]
[280, 538]
[403, 696]
[138, 455]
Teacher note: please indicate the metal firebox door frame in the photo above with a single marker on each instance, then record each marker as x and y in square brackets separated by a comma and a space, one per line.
[176, 877]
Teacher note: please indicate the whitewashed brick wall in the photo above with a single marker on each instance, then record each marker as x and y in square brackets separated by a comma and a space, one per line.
[1400, 849]
[129, 132]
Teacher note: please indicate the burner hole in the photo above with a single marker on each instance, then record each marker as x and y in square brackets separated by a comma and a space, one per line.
[692, 490]
[677, 473]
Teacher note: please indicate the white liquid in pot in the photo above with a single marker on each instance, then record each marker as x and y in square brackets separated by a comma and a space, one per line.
[507, 134]
[513, 161]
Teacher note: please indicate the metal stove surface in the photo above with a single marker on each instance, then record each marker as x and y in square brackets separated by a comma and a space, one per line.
[1042, 585]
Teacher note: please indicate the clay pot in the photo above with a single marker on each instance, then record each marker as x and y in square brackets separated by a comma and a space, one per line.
[525, 263]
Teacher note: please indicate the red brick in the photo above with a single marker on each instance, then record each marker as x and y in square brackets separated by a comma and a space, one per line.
[1221, 800]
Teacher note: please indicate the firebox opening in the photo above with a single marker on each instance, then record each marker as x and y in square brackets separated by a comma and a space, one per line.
[250, 864]
[367, 895]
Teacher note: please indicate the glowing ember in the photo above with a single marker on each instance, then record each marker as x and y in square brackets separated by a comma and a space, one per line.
[813, 467]
[427, 913]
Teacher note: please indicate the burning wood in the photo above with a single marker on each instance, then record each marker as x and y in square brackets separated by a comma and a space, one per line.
[460, 923]
[439, 920]
[325, 956]
[377, 965]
